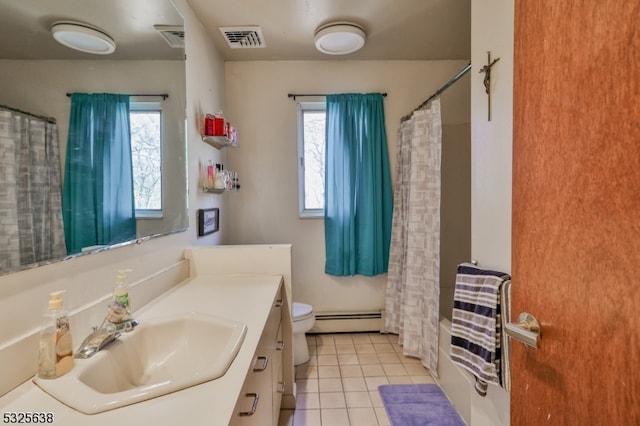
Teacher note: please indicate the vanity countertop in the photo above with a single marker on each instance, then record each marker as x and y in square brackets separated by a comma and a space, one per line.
[245, 298]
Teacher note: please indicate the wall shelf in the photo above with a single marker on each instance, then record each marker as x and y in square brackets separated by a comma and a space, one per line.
[217, 142]
[213, 190]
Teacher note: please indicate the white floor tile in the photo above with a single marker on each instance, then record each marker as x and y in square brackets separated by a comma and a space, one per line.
[358, 399]
[339, 384]
[362, 417]
[307, 418]
[335, 417]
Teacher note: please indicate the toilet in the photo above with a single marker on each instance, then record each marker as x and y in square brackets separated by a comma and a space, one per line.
[303, 320]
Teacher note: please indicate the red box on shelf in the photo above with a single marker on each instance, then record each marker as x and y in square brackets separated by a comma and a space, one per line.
[213, 126]
[218, 126]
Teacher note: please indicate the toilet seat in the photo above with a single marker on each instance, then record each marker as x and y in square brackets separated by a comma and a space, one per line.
[301, 311]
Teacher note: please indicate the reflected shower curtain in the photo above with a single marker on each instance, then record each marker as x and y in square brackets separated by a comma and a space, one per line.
[358, 196]
[98, 201]
[413, 286]
[30, 191]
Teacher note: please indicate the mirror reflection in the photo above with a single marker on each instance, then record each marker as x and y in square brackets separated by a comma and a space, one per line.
[92, 145]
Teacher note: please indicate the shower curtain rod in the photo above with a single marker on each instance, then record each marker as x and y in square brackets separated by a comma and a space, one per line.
[305, 95]
[440, 90]
[164, 96]
[41, 117]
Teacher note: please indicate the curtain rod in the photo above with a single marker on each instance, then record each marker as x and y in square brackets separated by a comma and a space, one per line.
[301, 95]
[164, 96]
[438, 92]
[41, 117]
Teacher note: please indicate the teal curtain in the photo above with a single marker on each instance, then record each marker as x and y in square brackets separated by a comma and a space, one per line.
[98, 201]
[358, 195]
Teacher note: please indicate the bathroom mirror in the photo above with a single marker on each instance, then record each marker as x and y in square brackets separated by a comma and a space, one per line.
[37, 73]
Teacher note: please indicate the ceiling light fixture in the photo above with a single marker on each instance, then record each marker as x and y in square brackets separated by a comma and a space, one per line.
[339, 38]
[83, 37]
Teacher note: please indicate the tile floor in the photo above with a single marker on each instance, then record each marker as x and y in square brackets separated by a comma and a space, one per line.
[339, 384]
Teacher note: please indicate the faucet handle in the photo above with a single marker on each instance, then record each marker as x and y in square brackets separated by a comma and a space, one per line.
[130, 325]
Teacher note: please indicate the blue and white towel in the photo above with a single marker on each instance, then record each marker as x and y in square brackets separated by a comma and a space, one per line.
[480, 306]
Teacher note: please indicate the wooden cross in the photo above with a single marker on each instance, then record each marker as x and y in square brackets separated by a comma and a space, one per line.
[487, 82]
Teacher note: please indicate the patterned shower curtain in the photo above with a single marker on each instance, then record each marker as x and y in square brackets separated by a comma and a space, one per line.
[413, 286]
[30, 191]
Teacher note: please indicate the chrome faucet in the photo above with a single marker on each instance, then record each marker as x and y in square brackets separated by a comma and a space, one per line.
[103, 335]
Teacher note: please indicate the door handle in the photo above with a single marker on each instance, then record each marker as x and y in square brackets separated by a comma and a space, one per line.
[526, 330]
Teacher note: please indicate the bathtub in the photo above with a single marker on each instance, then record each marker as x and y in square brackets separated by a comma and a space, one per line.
[458, 384]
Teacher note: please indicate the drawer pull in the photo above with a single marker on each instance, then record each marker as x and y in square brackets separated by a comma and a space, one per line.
[279, 303]
[280, 345]
[283, 385]
[265, 362]
[254, 406]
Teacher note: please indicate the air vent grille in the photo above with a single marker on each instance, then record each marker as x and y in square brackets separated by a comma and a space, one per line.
[243, 37]
[173, 34]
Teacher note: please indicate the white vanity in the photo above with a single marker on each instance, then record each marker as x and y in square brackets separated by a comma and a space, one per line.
[251, 391]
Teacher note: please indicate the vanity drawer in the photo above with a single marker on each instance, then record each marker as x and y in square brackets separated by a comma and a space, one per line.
[259, 402]
[254, 405]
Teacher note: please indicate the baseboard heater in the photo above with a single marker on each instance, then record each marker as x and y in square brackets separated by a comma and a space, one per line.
[346, 322]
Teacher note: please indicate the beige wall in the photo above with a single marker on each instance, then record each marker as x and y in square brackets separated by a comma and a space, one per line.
[455, 208]
[491, 150]
[265, 210]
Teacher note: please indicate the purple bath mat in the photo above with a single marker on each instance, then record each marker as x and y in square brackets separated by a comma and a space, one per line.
[418, 405]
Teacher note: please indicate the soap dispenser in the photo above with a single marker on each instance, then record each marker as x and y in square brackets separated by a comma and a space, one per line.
[56, 345]
[120, 308]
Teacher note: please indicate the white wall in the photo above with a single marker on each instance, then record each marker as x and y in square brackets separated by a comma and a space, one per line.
[265, 210]
[492, 28]
[23, 295]
[205, 94]
[491, 141]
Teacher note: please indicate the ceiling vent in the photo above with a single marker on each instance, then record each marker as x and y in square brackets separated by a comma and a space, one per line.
[243, 37]
[173, 34]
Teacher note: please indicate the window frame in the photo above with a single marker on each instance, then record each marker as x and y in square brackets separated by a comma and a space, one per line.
[302, 107]
[152, 106]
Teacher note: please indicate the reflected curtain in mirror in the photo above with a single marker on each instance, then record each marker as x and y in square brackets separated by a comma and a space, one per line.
[358, 197]
[30, 191]
[98, 200]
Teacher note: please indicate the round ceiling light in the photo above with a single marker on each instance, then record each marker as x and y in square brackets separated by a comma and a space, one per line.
[83, 37]
[339, 38]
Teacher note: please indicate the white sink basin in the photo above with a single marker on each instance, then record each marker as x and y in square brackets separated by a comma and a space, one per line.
[160, 356]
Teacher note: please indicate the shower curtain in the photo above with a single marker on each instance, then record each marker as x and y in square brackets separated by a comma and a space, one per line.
[30, 191]
[413, 284]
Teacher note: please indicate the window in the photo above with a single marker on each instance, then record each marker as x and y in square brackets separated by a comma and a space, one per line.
[311, 157]
[146, 152]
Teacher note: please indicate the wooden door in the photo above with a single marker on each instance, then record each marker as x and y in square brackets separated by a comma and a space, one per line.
[576, 211]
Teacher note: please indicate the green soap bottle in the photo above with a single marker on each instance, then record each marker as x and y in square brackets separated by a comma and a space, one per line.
[120, 308]
[121, 292]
